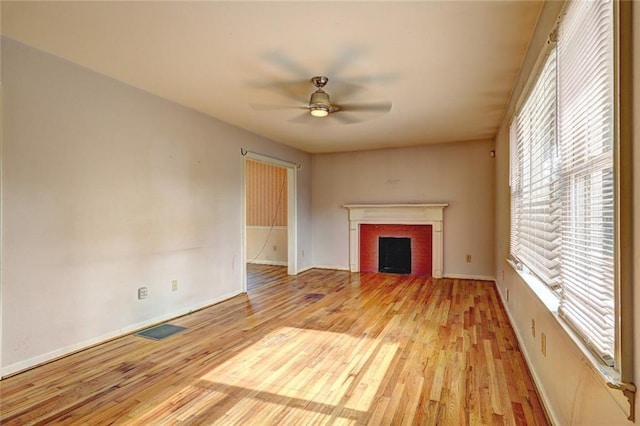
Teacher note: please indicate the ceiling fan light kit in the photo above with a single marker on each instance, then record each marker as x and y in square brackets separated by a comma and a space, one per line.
[319, 104]
[319, 110]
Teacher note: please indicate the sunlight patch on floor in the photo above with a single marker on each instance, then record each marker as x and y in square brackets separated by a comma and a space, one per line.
[292, 373]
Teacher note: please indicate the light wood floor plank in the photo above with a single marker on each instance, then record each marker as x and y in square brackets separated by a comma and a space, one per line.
[325, 347]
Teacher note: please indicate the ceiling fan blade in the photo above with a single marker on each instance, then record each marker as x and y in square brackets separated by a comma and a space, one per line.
[346, 57]
[294, 90]
[381, 78]
[285, 62]
[264, 107]
[303, 118]
[341, 89]
[367, 106]
[344, 118]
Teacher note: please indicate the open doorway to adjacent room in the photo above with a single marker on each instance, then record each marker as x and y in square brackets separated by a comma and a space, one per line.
[269, 213]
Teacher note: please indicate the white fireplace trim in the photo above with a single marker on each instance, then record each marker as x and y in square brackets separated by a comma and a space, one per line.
[397, 214]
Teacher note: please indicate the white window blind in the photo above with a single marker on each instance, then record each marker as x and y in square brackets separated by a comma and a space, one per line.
[535, 201]
[562, 175]
[586, 135]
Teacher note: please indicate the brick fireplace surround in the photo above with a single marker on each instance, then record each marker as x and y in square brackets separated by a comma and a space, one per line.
[421, 246]
[396, 214]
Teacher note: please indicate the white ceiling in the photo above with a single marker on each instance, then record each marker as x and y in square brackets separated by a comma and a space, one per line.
[447, 67]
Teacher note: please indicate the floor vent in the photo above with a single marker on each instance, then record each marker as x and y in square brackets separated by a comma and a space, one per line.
[160, 332]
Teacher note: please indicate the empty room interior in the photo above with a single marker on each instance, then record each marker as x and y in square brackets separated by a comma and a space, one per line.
[299, 212]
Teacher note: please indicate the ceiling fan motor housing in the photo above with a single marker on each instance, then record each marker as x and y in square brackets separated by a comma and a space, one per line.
[319, 81]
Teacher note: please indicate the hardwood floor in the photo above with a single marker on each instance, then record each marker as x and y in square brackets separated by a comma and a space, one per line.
[325, 347]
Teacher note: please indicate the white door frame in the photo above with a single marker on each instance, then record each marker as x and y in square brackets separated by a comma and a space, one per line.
[1, 230]
[292, 226]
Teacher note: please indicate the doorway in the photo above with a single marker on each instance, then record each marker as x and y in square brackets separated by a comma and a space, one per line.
[269, 213]
[266, 216]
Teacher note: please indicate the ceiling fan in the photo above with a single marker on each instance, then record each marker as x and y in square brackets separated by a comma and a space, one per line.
[320, 105]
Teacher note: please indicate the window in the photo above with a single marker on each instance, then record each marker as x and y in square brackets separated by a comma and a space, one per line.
[535, 199]
[586, 134]
[562, 177]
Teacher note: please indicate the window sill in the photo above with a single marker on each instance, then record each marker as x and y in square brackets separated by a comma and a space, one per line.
[622, 393]
[545, 295]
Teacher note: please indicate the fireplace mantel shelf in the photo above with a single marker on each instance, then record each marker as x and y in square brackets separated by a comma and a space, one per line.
[407, 214]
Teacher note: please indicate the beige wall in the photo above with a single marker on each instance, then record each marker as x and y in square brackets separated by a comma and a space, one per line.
[266, 245]
[106, 189]
[461, 174]
[572, 390]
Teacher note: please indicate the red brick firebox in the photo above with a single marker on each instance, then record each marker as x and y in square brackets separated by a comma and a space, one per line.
[421, 246]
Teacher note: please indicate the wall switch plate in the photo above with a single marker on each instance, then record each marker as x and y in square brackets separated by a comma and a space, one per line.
[142, 293]
[174, 285]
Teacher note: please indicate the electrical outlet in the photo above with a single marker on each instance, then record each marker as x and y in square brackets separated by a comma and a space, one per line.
[533, 327]
[467, 258]
[142, 293]
[507, 295]
[174, 285]
[543, 344]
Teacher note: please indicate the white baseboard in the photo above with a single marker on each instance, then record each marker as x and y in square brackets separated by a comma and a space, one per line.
[86, 344]
[270, 262]
[305, 269]
[454, 276]
[334, 268]
[525, 354]
[470, 277]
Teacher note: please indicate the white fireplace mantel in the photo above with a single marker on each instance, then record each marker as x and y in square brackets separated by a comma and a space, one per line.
[397, 214]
